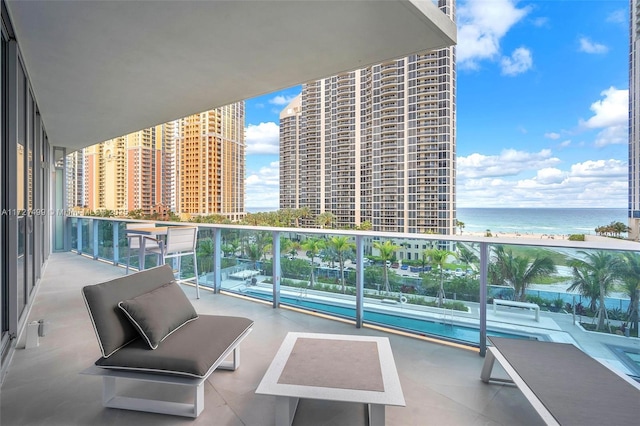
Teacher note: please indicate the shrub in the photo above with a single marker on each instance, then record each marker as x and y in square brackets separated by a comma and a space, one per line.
[576, 237]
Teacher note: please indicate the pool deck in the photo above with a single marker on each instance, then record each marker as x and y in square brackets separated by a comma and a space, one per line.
[555, 327]
[441, 383]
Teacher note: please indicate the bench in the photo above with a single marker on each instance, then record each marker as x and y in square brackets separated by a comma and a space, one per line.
[148, 331]
[515, 304]
[563, 384]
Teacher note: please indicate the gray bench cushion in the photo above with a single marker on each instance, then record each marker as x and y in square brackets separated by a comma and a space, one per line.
[112, 327]
[190, 352]
[159, 313]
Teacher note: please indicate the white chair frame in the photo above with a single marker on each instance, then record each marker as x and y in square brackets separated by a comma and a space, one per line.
[181, 241]
[135, 242]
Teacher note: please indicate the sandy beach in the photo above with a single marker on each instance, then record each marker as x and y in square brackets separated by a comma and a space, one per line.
[527, 235]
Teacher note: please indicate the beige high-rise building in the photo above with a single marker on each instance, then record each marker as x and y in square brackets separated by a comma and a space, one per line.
[125, 173]
[290, 158]
[634, 120]
[210, 163]
[377, 144]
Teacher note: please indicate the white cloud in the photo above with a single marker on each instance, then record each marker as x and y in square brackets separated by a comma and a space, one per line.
[481, 26]
[593, 183]
[611, 111]
[597, 169]
[588, 46]
[281, 100]
[614, 135]
[262, 188]
[552, 135]
[617, 17]
[263, 138]
[550, 175]
[519, 61]
[509, 163]
[541, 21]
[565, 144]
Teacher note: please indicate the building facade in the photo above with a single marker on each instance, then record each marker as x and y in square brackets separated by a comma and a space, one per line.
[290, 165]
[377, 144]
[634, 120]
[210, 163]
[125, 173]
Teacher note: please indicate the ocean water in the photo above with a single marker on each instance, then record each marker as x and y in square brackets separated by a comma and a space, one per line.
[551, 221]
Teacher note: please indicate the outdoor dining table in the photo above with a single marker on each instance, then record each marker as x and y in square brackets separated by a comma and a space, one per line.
[150, 231]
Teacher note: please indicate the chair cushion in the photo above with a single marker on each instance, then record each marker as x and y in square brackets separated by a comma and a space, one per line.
[112, 327]
[192, 351]
[159, 313]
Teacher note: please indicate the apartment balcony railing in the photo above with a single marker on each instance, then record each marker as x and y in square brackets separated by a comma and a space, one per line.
[450, 302]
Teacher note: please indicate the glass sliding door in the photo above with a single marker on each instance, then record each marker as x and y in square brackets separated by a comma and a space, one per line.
[21, 188]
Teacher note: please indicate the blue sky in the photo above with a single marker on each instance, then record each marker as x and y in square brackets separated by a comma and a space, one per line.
[542, 107]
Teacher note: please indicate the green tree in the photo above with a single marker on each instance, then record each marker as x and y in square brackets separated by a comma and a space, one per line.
[596, 273]
[312, 247]
[629, 272]
[466, 256]
[460, 225]
[204, 254]
[365, 226]
[520, 271]
[254, 252]
[343, 249]
[387, 253]
[325, 220]
[439, 257]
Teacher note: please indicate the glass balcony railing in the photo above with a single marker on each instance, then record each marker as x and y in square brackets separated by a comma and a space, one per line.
[459, 289]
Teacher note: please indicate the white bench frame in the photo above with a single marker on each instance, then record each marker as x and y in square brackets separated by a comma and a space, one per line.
[515, 304]
[110, 398]
[485, 376]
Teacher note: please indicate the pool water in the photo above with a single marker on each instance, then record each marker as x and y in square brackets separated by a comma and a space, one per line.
[419, 326]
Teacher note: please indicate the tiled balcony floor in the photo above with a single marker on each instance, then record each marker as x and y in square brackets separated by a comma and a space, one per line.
[43, 386]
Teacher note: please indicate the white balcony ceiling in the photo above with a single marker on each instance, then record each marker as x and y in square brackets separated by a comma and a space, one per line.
[101, 69]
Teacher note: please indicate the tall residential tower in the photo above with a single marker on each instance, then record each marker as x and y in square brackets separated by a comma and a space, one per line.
[210, 163]
[634, 120]
[377, 144]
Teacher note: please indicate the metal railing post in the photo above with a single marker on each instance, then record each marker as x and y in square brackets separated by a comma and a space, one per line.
[79, 235]
[484, 270]
[359, 281]
[115, 231]
[276, 269]
[94, 228]
[217, 260]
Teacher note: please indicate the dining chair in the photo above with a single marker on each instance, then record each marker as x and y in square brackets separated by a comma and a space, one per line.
[181, 241]
[135, 243]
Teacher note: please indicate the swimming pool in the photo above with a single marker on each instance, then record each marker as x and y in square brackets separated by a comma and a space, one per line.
[447, 331]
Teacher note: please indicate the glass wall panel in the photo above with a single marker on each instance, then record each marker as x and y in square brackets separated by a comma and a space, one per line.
[21, 189]
[105, 239]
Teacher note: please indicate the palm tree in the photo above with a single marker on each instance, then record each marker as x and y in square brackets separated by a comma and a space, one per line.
[629, 272]
[254, 252]
[294, 246]
[342, 248]
[205, 251]
[365, 226]
[460, 225]
[313, 247]
[387, 252]
[439, 257]
[597, 271]
[520, 271]
[466, 256]
[325, 219]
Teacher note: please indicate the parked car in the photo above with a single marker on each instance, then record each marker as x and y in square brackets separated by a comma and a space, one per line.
[404, 267]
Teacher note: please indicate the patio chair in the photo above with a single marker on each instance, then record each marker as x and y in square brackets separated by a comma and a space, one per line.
[181, 241]
[135, 243]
